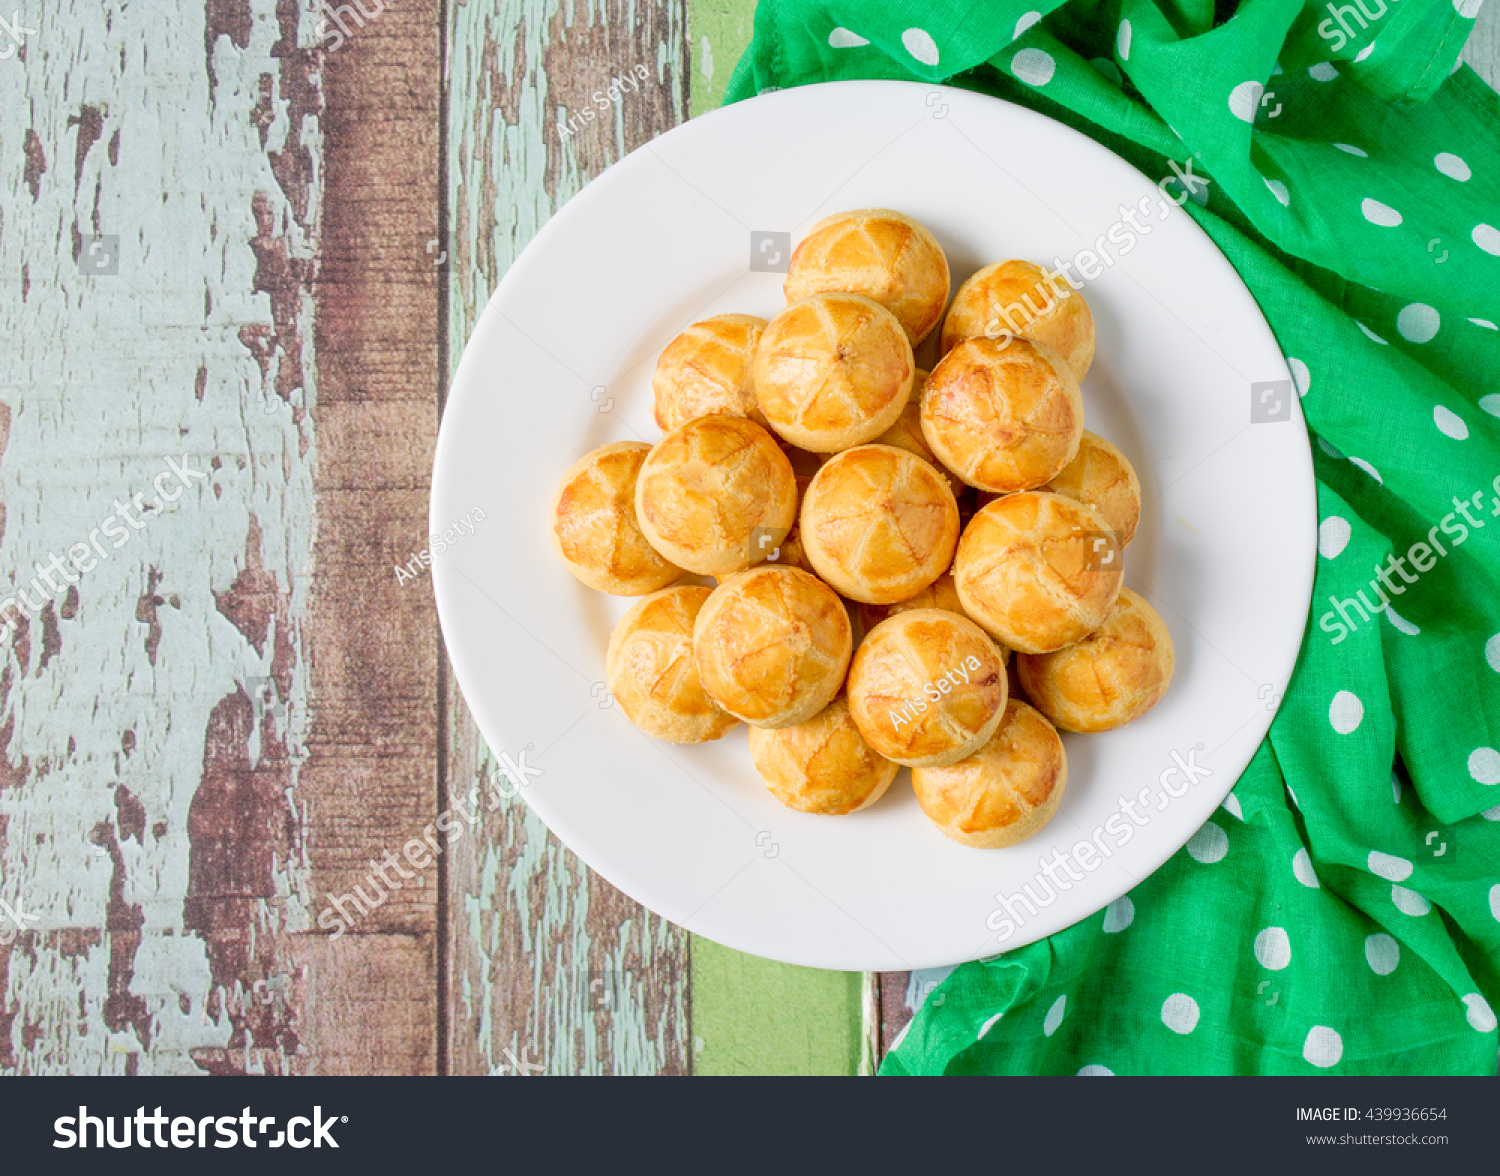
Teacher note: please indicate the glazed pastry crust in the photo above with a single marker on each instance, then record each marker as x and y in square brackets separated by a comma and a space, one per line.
[882, 254]
[710, 489]
[705, 371]
[889, 680]
[1111, 677]
[1101, 477]
[1006, 791]
[1003, 415]
[878, 524]
[1038, 571]
[650, 669]
[594, 527]
[773, 645]
[823, 765]
[1014, 297]
[832, 371]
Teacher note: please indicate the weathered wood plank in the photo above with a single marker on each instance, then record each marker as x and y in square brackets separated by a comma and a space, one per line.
[718, 34]
[1483, 50]
[754, 1016]
[370, 780]
[549, 965]
[150, 810]
[180, 749]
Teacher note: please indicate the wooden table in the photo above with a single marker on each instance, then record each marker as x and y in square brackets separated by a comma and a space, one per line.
[225, 236]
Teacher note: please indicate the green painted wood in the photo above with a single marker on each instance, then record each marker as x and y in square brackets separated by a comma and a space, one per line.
[718, 33]
[1483, 50]
[171, 800]
[753, 1016]
[548, 964]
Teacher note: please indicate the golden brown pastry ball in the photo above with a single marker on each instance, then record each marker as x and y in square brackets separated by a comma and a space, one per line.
[1003, 415]
[832, 371]
[1016, 298]
[716, 495]
[1038, 571]
[881, 254]
[650, 669]
[878, 524]
[823, 765]
[941, 593]
[926, 687]
[594, 525]
[705, 371]
[773, 645]
[1114, 675]
[1101, 477]
[1004, 792]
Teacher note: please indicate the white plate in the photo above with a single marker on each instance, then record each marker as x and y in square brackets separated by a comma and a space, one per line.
[560, 363]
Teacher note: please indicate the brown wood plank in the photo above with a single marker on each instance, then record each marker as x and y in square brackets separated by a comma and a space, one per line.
[370, 782]
[549, 965]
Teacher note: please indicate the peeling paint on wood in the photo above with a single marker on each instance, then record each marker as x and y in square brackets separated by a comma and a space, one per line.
[547, 961]
[151, 812]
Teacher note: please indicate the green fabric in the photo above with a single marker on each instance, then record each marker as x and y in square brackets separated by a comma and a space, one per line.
[1343, 916]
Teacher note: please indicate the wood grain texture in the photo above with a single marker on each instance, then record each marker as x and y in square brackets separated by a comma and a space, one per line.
[549, 965]
[204, 733]
[370, 779]
[718, 35]
[1483, 49]
[152, 813]
[754, 1016]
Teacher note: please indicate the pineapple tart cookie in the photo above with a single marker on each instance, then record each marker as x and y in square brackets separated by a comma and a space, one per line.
[773, 645]
[879, 524]
[1099, 476]
[833, 371]
[926, 687]
[1003, 793]
[1021, 299]
[881, 254]
[822, 765]
[650, 670]
[1038, 571]
[705, 371]
[594, 525]
[717, 494]
[1004, 415]
[1115, 674]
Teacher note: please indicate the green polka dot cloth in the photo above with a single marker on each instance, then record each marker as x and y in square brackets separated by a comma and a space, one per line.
[1341, 913]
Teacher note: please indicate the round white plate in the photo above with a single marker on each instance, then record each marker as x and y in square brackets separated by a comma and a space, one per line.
[561, 362]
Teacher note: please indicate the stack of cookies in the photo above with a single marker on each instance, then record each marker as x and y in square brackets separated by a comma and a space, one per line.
[880, 540]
